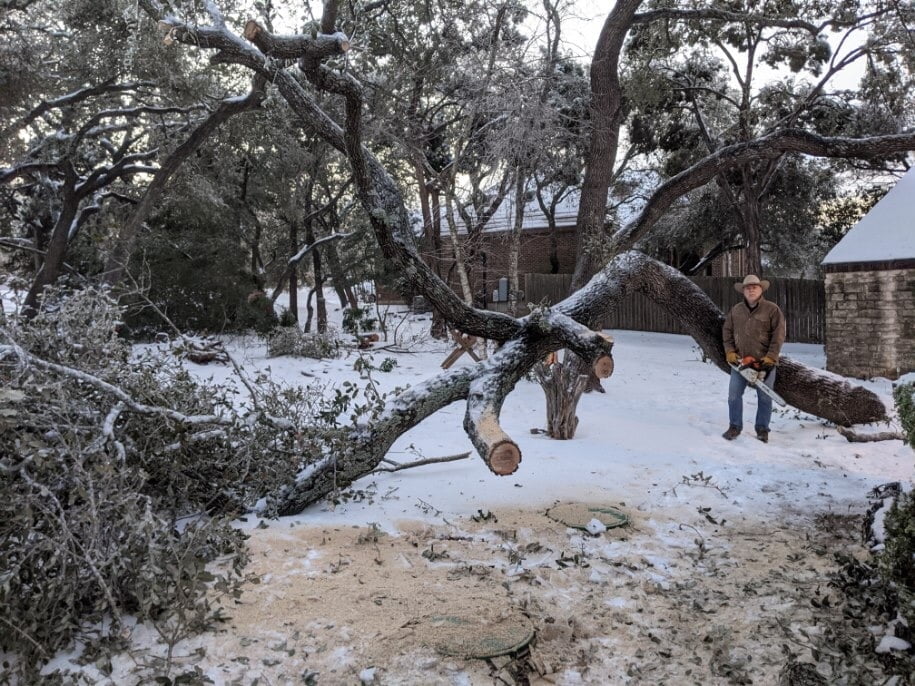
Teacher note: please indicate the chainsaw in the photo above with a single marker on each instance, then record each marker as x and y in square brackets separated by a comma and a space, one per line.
[749, 369]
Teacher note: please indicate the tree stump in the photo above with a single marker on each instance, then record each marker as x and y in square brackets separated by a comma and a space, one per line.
[563, 387]
[563, 383]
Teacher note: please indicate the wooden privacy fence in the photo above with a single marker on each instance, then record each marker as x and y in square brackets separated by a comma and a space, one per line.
[802, 300]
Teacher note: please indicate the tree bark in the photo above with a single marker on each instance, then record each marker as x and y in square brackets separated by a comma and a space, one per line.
[57, 247]
[562, 388]
[309, 311]
[514, 277]
[293, 272]
[606, 116]
[460, 259]
[317, 272]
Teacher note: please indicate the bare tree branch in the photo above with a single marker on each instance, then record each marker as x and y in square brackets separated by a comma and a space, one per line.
[299, 256]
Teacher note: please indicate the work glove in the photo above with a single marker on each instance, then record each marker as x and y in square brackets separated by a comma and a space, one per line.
[767, 364]
[732, 357]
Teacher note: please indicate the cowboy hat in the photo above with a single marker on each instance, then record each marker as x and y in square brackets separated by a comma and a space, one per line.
[751, 280]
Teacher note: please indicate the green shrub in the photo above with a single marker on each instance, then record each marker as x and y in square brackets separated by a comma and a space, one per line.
[106, 511]
[198, 277]
[904, 396]
[897, 561]
[112, 501]
[358, 319]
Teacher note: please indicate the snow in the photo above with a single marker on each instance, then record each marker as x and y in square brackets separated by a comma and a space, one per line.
[595, 527]
[887, 232]
[650, 446]
[653, 437]
[890, 643]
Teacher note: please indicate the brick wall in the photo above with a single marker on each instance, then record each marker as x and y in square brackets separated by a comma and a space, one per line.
[870, 323]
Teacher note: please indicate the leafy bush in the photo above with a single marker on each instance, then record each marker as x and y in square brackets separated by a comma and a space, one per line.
[904, 396]
[119, 475]
[106, 510]
[291, 341]
[897, 561]
[198, 277]
[358, 319]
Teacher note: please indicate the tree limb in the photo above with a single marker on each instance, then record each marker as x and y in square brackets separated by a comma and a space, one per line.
[855, 437]
[299, 256]
[768, 147]
[397, 466]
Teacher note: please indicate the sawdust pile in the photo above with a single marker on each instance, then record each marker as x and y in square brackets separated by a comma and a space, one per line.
[655, 602]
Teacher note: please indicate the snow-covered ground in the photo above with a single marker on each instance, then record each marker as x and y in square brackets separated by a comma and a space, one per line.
[660, 420]
[728, 539]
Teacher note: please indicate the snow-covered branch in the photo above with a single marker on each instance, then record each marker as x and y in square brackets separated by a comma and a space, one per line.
[294, 47]
[299, 256]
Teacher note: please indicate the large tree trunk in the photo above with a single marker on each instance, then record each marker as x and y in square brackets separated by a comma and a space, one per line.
[606, 116]
[749, 212]
[57, 251]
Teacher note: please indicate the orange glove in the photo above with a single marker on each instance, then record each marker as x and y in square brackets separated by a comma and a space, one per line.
[732, 357]
[766, 363]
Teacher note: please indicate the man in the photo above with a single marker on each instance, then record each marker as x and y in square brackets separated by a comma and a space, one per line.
[753, 334]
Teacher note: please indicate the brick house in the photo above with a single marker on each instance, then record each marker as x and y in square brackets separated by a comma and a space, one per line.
[542, 250]
[870, 290]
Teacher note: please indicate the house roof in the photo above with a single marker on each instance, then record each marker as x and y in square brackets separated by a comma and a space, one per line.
[503, 219]
[884, 234]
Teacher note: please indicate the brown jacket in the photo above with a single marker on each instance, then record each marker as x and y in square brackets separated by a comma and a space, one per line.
[759, 333]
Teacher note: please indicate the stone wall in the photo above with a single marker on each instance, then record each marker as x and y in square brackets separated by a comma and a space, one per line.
[870, 322]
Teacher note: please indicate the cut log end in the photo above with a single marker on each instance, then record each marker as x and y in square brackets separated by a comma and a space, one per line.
[603, 367]
[504, 458]
[343, 44]
[252, 28]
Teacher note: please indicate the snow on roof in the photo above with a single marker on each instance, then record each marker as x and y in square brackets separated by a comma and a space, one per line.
[503, 219]
[887, 232]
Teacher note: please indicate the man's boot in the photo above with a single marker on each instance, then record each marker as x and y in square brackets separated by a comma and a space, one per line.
[732, 433]
[763, 435]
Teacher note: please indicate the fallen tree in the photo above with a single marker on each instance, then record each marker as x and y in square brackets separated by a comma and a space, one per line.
[484, 386]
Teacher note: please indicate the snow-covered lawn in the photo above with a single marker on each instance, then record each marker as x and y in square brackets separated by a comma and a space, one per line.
[712, 581]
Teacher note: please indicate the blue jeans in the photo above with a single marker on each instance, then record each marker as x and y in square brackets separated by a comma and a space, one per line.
[735, 401]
